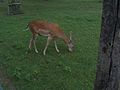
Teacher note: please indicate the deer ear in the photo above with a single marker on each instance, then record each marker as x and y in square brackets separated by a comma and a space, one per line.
[70, 35]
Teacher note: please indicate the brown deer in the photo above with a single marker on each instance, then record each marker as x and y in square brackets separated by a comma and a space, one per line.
[51, 30]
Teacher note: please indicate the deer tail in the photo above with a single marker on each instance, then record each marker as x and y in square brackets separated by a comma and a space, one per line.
[26, 28]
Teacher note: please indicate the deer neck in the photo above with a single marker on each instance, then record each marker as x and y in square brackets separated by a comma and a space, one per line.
[66, 40]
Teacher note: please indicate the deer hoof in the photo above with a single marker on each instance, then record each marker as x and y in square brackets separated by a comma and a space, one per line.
[36, 51]
[44, 53]
[58, 51]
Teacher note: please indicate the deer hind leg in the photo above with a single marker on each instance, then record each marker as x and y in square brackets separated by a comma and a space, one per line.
[56, 47]
[48, 41]
[34, 42]
[31, 43]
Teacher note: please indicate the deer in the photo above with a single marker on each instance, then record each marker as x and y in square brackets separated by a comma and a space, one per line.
[50, 30]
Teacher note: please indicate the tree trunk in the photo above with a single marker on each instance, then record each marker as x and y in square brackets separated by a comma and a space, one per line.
[108, 67]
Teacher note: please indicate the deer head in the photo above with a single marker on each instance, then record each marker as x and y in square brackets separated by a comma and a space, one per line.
[70, 43]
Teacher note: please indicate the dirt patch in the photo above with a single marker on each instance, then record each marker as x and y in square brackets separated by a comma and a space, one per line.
[5, 81]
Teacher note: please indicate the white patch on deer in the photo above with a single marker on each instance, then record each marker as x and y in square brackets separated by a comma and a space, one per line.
[43, 32]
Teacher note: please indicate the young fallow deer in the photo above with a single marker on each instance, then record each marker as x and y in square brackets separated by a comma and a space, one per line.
[51, 30]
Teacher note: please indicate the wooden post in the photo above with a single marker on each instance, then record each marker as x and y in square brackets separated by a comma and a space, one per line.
[14, 7]
[1, 1]
[108, 67]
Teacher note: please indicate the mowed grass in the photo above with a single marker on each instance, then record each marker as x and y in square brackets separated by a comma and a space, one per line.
[64, 71]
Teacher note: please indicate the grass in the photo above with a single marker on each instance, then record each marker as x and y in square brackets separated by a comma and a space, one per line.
[63, 71]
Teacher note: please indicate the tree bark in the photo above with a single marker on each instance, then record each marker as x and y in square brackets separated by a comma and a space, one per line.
[108, 67]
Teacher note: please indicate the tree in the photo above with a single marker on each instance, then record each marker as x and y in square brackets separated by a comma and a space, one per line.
[108, 67]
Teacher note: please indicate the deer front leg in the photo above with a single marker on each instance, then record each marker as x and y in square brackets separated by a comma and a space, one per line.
[56, 47]
[48, 41]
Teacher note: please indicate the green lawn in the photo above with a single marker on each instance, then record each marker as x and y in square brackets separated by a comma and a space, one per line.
[63, 71]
